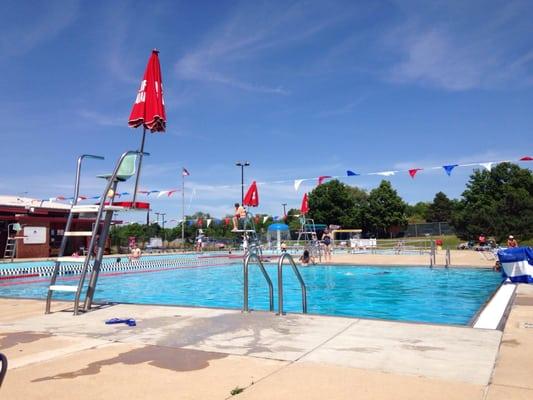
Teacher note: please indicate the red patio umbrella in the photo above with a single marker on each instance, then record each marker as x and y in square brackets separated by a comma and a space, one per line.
[149, 107]
[304, 209]
[251, 199]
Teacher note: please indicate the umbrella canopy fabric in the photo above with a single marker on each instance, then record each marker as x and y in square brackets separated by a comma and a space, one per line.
[278, 227]
[252, 196]
[304, 209]
[149, 106]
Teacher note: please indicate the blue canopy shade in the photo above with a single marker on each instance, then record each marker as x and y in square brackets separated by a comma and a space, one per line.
[278, 227]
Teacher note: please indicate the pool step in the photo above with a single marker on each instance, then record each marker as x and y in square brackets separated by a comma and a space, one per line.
[63, 288]
[71, 259]
[79, 233]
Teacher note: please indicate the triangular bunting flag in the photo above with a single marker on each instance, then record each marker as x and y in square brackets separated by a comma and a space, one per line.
[449, 168]
[526, 158]
[297, 183]
[487, 165]
[322, 178]
[413, 171]
[351, 173]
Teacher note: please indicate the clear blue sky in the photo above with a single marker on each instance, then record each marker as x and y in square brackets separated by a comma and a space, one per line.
[300, 89]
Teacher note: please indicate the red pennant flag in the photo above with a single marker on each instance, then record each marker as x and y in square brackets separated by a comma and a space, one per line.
[149, 107]
[304, 209]
[226, 221]
[526, 158]
[413, 172]
[199, 222]
[321, 179]
[256, 219]
[251, 199]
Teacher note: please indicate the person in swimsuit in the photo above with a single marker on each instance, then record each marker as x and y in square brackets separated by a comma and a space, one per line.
[306, 258]
[511, 242]
[326, 241]
[240, 213]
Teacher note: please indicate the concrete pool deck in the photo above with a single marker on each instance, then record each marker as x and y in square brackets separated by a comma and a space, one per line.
[198, 353]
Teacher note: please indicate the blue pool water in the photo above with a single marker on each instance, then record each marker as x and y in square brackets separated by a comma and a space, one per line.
[397, 293]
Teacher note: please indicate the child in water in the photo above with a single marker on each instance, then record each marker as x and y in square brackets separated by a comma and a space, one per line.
[306, 258]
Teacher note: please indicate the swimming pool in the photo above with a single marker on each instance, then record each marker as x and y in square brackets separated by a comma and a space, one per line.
[419, 294]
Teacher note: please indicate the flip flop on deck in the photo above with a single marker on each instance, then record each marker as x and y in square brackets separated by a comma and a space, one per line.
[127, 321]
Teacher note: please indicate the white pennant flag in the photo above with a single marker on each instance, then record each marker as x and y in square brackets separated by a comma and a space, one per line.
[265, 218]
[162, 192]
[297, 183]
[487, 165]
[208, 222]
[384, 173]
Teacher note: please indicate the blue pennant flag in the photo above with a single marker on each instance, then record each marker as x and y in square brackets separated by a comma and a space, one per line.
[351, 173]
[449, 168]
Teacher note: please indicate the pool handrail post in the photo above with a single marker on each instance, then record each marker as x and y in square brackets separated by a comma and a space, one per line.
[247, 259]
[448, 257]
[280, 283]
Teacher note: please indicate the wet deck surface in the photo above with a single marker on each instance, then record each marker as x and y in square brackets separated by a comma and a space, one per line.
[198, 353]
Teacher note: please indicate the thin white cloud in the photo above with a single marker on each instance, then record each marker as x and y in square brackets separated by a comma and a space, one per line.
[245, 38]
[103, 119]
[455, 55]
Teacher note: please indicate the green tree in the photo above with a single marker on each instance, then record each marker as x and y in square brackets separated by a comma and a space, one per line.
[441, 209]
[417, 213]
[496, 203]
[338, 204]
[384, 213]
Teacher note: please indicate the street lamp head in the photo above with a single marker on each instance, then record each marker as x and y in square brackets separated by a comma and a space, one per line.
[242, 163]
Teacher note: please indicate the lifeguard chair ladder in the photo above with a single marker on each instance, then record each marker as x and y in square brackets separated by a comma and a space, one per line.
[308, 233]
[124, 169]
[249, 234]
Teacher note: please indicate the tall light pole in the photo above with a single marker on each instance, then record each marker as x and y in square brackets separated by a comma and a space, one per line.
[242, 164]
[284, 205]
[163, 221]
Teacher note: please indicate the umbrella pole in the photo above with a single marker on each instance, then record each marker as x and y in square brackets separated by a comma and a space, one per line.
[139, 167]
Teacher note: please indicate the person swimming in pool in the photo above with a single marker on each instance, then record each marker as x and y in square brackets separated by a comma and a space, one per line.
[135, 254]
[306, 258]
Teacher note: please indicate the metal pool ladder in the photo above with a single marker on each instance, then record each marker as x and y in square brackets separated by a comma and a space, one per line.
[280, 283]
[249, 257]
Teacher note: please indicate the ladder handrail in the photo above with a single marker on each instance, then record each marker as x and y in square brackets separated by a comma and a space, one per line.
[68, 224]
[280, 283]
[111, 183]
[245, 281]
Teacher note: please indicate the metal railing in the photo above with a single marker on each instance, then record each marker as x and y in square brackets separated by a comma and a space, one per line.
[247, 260]
[280, 283]
[448, 258]
[69, 224]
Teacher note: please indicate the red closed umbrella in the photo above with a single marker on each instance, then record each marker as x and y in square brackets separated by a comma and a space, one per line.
[304, 209]
[251, 199]
[149, 107]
